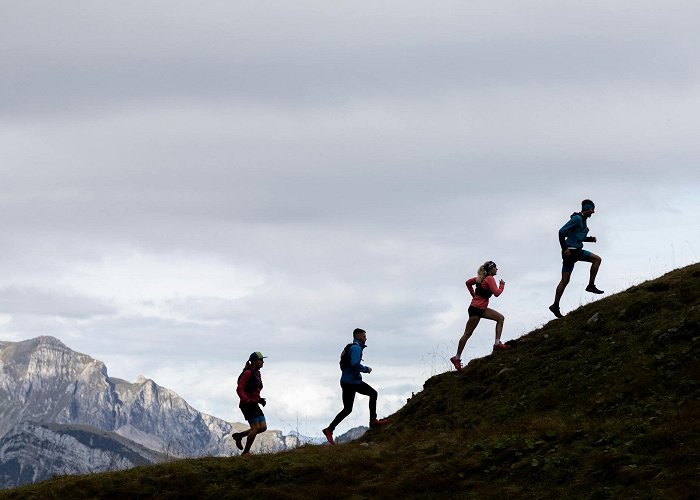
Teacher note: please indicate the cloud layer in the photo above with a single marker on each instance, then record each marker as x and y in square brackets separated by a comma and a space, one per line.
[182, 185]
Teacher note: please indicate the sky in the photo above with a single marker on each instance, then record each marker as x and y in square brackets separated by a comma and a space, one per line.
[185, 183]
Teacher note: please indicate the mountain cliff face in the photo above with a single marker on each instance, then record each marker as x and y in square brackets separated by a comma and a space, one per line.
[32, 452]
[61, 413]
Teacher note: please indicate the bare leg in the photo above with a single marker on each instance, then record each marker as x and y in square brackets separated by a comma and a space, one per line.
[255, 429]
[498, 318]
[595, 265]
[565, 278]
[468, 330]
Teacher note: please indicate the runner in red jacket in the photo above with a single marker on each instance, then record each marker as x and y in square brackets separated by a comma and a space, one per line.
[248, 390]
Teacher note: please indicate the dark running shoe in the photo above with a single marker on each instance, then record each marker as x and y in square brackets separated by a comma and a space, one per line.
[555, 310]
[329, 435]
[379, 423]
[237, 438]
[501, 347]
[457, 363]
[593, 289]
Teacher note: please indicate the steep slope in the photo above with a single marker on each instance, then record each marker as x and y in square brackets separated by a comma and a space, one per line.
[611, 393]
[604, 403]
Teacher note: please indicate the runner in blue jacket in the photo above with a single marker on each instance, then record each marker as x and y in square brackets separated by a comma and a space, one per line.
[351, 384]
[572, 235]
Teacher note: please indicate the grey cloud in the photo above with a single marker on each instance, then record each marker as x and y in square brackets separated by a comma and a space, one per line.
[47, 302]
[288, 54]
[361, 160]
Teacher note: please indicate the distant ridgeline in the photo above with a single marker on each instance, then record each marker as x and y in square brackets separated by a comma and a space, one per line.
[60, 413]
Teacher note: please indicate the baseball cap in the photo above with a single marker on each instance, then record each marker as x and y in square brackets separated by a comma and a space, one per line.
[257, 355]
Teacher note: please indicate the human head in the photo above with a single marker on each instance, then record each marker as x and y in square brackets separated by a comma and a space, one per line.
[482, 272]
[359, 334]
[587, 207]
[257, 358]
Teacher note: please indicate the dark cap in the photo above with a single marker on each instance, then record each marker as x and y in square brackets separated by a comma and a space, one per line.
[256, 356]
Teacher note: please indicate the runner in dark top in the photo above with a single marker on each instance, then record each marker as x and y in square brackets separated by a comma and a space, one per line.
[572, 235]
[351, 384]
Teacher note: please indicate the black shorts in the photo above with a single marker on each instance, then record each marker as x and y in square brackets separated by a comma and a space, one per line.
[475, 311]
[252, 412]
[575, 255]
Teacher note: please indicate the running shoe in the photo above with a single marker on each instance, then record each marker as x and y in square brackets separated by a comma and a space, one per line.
[379, 423]
[593, 289]
[329, 435]
[457, 362]
[501, 347]
[555, 310]
[238, 439]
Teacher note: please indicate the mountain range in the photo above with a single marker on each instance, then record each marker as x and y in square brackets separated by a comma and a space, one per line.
[61, 413]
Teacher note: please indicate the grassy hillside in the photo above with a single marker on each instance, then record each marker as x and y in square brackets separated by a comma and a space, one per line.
[604, 403]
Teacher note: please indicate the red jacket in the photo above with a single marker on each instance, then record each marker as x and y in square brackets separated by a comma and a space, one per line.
[249, 397]
[488, 283]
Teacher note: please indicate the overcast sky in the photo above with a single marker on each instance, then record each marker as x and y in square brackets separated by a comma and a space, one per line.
[184, 183]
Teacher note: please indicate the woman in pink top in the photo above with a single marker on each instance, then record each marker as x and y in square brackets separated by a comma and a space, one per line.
[481, 288]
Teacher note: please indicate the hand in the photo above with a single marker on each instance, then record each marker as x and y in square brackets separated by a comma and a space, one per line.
[594, 239]
[369, 370]
[565, 252]
[262, 401]
[502, 282]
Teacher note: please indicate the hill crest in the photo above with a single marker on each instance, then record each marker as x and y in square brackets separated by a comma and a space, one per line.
[604, 403]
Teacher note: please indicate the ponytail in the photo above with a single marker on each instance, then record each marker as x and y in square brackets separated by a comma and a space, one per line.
[480, 275]
[484, 270]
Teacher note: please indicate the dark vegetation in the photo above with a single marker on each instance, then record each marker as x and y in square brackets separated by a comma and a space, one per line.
[604, 403]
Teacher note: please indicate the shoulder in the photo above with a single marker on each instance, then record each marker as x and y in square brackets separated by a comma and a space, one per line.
[490, 279]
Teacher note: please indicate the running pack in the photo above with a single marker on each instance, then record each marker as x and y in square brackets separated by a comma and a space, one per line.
[345, 357]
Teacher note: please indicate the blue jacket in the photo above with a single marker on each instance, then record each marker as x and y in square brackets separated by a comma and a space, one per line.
[573, 233]
[352, 375]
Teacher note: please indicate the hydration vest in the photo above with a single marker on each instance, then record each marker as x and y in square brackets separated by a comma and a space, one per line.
[483, 292]
[345, 357]
[252, 383]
